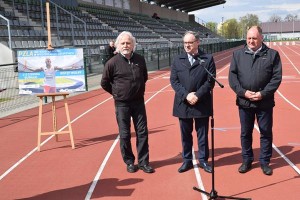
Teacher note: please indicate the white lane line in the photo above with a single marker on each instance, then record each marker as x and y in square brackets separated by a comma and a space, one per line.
[293, 50]
[98, 174]
[286, 159]
[198, 176]
[290, 61]
[50, 137]
[282, 154]
[97, 177]
[293, 144]
[223, 59]
[226, 128]
[296, 107]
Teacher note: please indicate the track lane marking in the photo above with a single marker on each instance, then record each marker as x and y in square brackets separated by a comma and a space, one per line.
[296, 107]
[290, 60]
[198, 176]
[46, 140]
[104, 162]
[50, 137]
[282, 154]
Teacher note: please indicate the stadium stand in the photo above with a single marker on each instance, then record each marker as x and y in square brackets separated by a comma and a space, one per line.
[80, 24]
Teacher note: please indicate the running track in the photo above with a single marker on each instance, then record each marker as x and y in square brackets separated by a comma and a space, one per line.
[95, 170]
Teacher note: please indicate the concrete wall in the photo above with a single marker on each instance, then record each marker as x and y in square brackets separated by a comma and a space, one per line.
[6, 56]
[148, 9]
[144, 8]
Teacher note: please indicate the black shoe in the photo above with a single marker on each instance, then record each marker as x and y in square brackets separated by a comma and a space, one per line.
[185, 167]
[266, 170]
[245, 167]
[131, 168]
[146, 168]
[206, 167]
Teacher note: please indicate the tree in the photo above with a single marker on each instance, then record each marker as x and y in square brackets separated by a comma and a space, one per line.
[230, 29]
[212, 26]
[290, 18]
[246, 22]
[275, 18]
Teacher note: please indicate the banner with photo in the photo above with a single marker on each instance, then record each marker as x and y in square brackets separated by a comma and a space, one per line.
[51, 71]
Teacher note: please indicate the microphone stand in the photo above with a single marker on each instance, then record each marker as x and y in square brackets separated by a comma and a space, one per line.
[214, 194]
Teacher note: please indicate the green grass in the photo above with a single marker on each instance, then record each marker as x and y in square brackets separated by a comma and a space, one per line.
[5, 99]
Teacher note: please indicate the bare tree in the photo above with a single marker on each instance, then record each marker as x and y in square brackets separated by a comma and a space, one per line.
[275, 18]
[291, 17]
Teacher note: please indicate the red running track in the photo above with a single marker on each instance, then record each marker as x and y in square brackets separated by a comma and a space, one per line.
[95, 170]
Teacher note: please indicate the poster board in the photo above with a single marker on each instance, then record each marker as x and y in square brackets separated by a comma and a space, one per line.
[51, 71]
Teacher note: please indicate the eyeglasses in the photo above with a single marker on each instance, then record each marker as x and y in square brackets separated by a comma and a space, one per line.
[186, 43]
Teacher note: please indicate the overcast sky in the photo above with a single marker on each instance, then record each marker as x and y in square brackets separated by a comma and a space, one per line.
[264, 9]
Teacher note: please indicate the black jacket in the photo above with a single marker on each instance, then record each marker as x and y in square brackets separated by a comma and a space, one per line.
[125, 79]
[261, 72]
[185, 79]
[108, 53]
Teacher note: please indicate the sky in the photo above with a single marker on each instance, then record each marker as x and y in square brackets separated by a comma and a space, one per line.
[264, 9]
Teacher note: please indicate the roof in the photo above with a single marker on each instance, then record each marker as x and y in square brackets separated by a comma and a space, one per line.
[188, 6]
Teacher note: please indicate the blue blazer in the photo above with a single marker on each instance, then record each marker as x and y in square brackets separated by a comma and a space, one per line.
[186, 78]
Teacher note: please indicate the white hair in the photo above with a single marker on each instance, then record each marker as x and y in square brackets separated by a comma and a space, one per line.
[121, 35]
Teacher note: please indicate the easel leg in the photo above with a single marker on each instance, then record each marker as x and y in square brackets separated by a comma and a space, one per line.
[69, 122]
[54, 118]
[40, 123]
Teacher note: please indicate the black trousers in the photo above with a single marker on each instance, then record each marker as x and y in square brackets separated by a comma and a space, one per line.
[265, 124]
[137, 111]
[186, 128]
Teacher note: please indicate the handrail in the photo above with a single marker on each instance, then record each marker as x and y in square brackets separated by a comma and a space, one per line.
[72, 15]
[8, 29]
[8, 64]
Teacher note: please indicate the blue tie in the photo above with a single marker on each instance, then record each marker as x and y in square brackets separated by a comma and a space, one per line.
[191, 59]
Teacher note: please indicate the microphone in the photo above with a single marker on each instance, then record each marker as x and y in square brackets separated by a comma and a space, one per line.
[197, 57]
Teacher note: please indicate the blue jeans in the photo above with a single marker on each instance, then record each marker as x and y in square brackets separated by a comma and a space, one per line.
[265, 123]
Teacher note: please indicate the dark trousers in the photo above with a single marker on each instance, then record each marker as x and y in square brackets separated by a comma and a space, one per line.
[186, 128]
[137, 111]
[265, 123]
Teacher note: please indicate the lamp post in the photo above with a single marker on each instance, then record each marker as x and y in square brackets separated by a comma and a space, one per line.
[294, 16]
[222, 26]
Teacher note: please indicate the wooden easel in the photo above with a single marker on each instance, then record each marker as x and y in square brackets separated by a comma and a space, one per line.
[54, 132]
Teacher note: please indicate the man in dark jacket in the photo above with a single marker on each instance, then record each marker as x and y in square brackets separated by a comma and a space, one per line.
[124, 77]
[255, 74]
[192, 102]
[109, 51]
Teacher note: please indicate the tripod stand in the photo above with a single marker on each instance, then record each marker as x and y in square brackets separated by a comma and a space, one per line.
[214, 194]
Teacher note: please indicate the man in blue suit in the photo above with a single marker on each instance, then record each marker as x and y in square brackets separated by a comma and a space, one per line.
[192, 102]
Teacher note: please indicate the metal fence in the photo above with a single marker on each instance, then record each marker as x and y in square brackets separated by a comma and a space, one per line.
[156, 59]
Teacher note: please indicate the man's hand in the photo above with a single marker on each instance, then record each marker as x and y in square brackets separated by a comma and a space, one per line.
[192, 98]
[253, 96]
